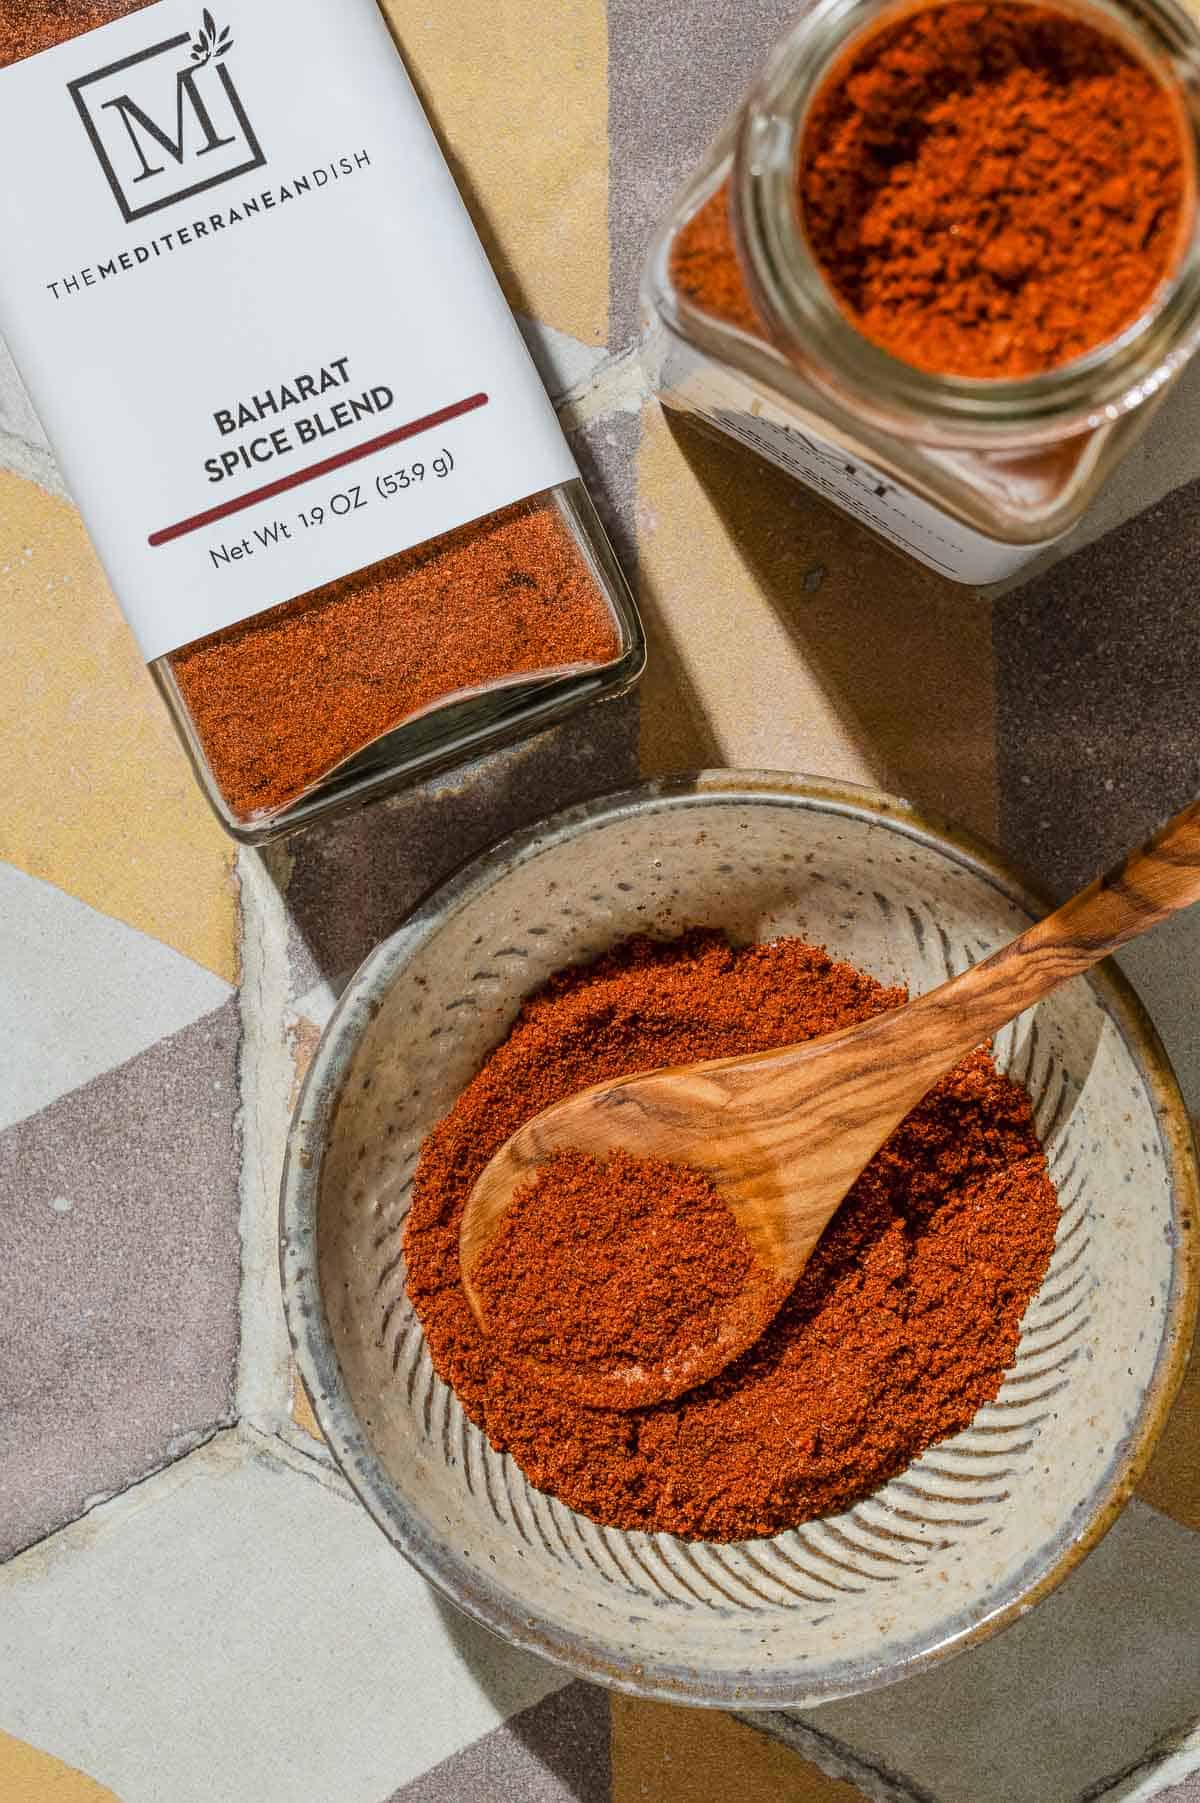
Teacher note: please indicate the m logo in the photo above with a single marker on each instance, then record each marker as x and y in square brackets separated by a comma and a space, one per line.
[169, 122]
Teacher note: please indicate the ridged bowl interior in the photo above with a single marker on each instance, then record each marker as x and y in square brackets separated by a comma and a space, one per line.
[978, 1526]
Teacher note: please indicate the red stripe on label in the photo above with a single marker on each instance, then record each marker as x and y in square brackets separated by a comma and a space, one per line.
[298, 477]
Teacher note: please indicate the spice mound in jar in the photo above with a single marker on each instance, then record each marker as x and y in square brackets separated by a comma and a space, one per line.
[900, 1328]
[602, 1266]
[989, 191]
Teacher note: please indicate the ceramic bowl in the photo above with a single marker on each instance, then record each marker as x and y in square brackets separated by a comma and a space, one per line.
[979, 1527]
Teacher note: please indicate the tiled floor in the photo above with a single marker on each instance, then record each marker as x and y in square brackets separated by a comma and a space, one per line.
[192, 1607]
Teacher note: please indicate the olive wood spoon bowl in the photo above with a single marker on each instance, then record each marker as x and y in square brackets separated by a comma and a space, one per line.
[783, 1135]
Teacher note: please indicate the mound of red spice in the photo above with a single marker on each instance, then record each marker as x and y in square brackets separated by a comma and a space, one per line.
[901, 1327]
[991, 190]
[599, 1266]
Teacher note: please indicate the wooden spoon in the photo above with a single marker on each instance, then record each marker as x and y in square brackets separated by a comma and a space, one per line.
[783, 1135]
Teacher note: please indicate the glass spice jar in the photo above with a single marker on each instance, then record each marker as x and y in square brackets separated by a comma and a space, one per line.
[346, 571]
[971, 476]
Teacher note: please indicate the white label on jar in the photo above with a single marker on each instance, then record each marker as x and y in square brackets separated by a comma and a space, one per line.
[904, 518]
[251, 308]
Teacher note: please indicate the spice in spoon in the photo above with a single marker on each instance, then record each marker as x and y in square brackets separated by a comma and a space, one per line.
[598, 1267]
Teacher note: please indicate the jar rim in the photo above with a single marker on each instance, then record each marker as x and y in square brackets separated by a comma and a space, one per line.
[813, 331]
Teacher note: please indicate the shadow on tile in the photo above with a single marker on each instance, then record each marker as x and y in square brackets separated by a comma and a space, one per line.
[556, 1751]
[1098, 694]
[348, 884]
[901, 657]
[1100, 1677]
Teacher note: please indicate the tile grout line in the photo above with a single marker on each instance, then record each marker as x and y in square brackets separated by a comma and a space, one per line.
[206, 1443]
[618, 385]
[878, 1783]
[1172, 1760]
[264, 1366]
[22, 457]
[287, 1449]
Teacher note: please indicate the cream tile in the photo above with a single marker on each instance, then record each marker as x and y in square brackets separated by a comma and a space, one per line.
[787, 638]
[80, 993]
[490, 78]
[99, 799]
[261, 1643]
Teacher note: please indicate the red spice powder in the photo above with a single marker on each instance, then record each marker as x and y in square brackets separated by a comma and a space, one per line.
[27, 26]
[600, 1266]
[991, 190]
[901, 1327]
[279, 700]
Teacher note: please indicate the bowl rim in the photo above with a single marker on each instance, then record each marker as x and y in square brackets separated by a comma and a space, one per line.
[312, 1343]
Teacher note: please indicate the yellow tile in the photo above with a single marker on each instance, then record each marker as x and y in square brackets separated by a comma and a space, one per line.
[784, 637]
[302, 1408]
[661, 1754]
[537, 187]
[28, 1776]
[98, 796]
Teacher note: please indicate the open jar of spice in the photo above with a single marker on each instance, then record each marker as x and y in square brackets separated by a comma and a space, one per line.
[328, 488]
[943, 264]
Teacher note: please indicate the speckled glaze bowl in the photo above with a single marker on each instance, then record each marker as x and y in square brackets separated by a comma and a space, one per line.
[976, 1530]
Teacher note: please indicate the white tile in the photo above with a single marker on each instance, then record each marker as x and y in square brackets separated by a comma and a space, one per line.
[16, 409]
[240, 1632]
[562, 361]
[81, 993]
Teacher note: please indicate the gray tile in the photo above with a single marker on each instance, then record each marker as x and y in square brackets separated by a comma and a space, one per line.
[1098, 695]
[606, 451]
[1097, 1679]
[674, 75]
[559, 1751]
[119, 1282]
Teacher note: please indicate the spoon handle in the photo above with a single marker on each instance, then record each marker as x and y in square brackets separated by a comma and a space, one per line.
[1150, 883]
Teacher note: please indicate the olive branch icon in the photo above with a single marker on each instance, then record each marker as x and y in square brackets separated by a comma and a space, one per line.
[208, 42]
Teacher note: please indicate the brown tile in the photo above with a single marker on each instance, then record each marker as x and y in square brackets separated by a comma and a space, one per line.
[1171, 1482]
[663, 1754]
[119, 1283]
[1098, 695]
